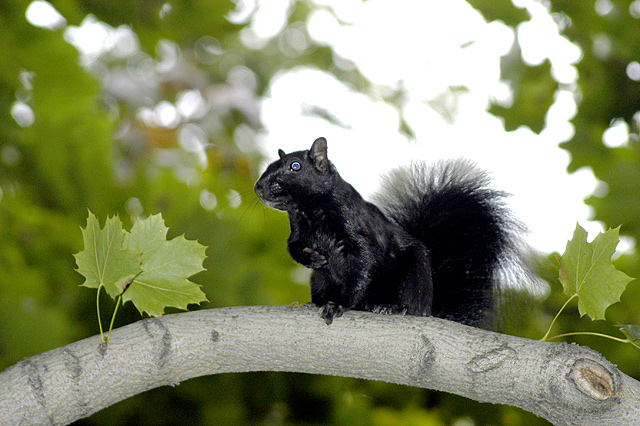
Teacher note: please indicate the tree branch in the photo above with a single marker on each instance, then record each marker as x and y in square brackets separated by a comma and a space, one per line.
[566, 384]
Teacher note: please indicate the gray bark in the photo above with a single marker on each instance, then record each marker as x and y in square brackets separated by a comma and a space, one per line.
[566, 384]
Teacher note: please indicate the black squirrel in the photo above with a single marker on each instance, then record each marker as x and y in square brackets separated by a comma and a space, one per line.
[435, 244]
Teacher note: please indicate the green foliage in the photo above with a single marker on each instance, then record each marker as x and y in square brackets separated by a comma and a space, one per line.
[164, 269]
[105, 261]
[74, 167]
[150, 21]
[35, 295]
[632, 332]
[586, 272]
[533, 91]
[140, 266]
[610, 43]
[533, 86]
[503, 10]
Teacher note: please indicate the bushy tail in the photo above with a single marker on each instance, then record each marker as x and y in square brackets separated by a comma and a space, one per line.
[470, 234]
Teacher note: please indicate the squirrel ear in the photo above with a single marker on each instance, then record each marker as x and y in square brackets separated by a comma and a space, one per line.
[281, 153]
[318, 154]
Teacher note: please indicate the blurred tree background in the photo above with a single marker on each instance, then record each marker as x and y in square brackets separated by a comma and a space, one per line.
[164, 115]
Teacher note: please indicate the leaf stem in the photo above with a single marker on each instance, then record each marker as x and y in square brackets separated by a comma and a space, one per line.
[98, 309]
[590, 333]
[546, 336]
[113, 317]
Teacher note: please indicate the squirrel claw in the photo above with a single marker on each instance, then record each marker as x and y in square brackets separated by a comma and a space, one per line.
[330, 311]
[389, 310]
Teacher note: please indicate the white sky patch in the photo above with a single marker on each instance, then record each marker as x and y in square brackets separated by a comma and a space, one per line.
[540, 39]
[41, 14]
[616, 135]
[93, 38]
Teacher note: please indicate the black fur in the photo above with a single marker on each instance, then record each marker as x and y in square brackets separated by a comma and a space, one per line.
[433, 248]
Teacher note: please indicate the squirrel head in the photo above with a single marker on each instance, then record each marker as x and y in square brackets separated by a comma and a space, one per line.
[298, 178]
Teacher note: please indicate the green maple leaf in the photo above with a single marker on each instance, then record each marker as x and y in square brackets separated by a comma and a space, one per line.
[632, 331]
[166, 267]
[586, 271]
[104, 261]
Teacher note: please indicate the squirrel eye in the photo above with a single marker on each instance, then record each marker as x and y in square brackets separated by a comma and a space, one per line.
[295, 166]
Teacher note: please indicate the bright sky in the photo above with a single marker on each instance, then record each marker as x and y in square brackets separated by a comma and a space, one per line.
[427, 47]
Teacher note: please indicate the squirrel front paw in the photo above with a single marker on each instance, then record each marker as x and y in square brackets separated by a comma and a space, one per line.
[315, 259]
[306, 256]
